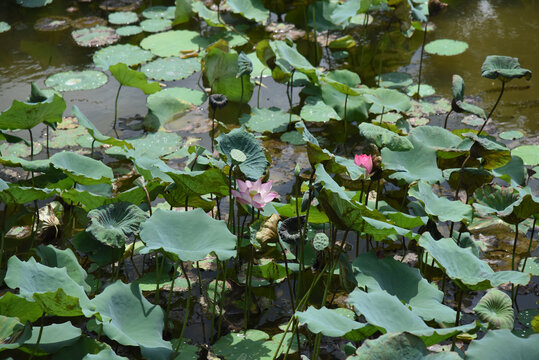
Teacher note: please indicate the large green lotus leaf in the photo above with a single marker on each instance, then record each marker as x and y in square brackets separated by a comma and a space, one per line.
[528, 153]
[389, 314]
[129, 319]
[190, 235]
[316, 110]
[82, 169]
[472, 178]
[156, 25]
[404, 282]
[357, 108]
[210, 16]
[12, 139]
[53, 257]
[502, 344]
[133, 78]
[383, 137]
[144, 146]
[4, 26]
[129, 30]
[388, 99]
[122, 53]
[113, 224]
[514, 170]
[33, 3]
[170, 69]
[95, 250]
[13, 333]
[344, 81]
[402, 346]
[33, 278]
[58, 303]
[504, 68]
[123, 17]
[496, 308]
[183, 12]
[204, 182]
[21, 194]
[251, 344]
[466, 269]
[511, 206]
[153, 169]
[320, 12]
[250, 9]
[159, 12]
[382, 229]
[239, 139]
[95, 36]
[424, 90]
[28, 165]
[106, 354]
[166, 104]
[289, 56]
[19, 150]
[23, 115]
[86, 348]
[271, 120]
[443, 208]
[493, 154]
[171, 43]
[53, 338]
[19, 307]
[394, 80]
[327, 321]
[532, 266]
[342, 13]
[94, 131]
[436, 137]
[221, 68]
[446, 47]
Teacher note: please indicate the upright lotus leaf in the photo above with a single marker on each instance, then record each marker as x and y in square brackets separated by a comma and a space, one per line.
[122, 53]
[52, 338]
[492, 153]
[383, 137]
[13, 333]
[113, 224]
[513, 171]
[511, 206]
[443, 208]
[250, 9]
[316, 110]
[28, 165]
[502, 344]
[327, 321]
[272, 120]
[402, 346]
[289, 56]
[404, 282]
[95, 133]
[343, 12]
[446, 47]
[189, 235]
[15, 194]
[129, 319]
[171, 43]
[172, 68]
[239, 139]
[208, 181]
[388, 99]
[458, 104]
[19, 307]
[24, 115]
[133, 78]
[95, 36]
[434, 137]
[106, 354]
[390, 315]
[496, 308]
[4, 26]
[169, 103]
[82, 169]
[466, 269]
[98, 252]
[144, 146]
[504, 68]
[528, 153]
[211, 17]
[472, 178]
[532, 266]
[33, 3]
[183, 12]
[53, 257]
[457, 87]
[58, 303]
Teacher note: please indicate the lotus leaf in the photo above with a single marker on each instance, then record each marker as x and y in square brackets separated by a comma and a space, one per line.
[271, 120]
[389, 314]
[95, 250]
[124, 53]
[19, 150]
[19, 307]
[443, 208]
[511, 135]
[156, 25]
[123, 17]
[388, 99]
[511, 206]
[532, 266]
[496, 308]
[320, 15]
[170, 69]
[343, 13]
[315, 110]
[255, 165]
[184, 11]
[53, 257]
[120, 5]
[514, 170]
[23, 115]
[53, 338]
[129, 30]
[171, 43]
[144, 146]
[106, 354]
[133, 78]
[502, 344]
[53, 23]
[472, 178]
[384, 138]
[58, 303]
[250, 9]
[446, 47]
[406, 283]
[88, 22]
[21, 194]
[394, 80]
[95, 133]
[190, 235]
[211, 17]
[528, 153]
[424, 90]
[76, 80]
[169, 103]
[437, 138]
[288, 56]
[4, 26]
[13, 333]
[82, 169]
[293, 137]
[504, 68]
[464, 268]
[327, 321]
[158, 12]
[33, 3]
[211, 180]
[250, 344]
[95, 36]
[130, 319]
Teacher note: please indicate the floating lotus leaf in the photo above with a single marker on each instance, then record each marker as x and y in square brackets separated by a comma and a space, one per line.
[33, 3]
[443, 208]
[123, 18]
[255, 165]
[496, 308]
[528, 153]
[19, 307]
[210, 16]
[466, 269]
[502, 344]
[394, 80]
[316, 110]
[156, 25]
[53, 338]
[326, 321]
[383, 137]
[388, 99]
[4, 26]
[190, 235]
[250, 9]
[144, 146]
[424, 90]
[170, 69]
[168, 103]
[130, 319]
[251, 344]
[23, 115]
[129, 30]
[389, 314]
[64, 138]
[404, 282]
[504, 68]
[82, 169]
[19, 150]
[126, 53]
[133, 78]
[271, 120]
[95, 36]
[113, 224]
[53, 257]
[171, 43]
[88, 22]
[53, 23]
[95, 133]
[77, 80]
[511, 135]
[160, 12]
[446, 47]
[120, 5]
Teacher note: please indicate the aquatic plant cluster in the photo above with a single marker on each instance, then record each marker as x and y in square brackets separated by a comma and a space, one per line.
[188, 253]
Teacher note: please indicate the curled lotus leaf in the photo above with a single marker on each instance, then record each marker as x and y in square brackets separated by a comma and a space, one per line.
[53, 23]
[496, 308]
[113, 224]
[82, 169]
[511, 206]
[95, 36]
[504, 68]
[383, 137]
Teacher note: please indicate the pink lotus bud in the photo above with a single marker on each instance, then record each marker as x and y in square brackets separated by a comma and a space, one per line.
[365, 161]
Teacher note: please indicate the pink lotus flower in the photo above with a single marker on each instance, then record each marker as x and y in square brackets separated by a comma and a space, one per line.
[255, 194]
[365, 161]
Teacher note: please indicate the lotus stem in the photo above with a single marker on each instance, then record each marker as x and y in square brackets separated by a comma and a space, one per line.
[460, 176]
[213, 128]
[421, 60]
[38, 336]
[363, 34]
[116, 107]
[259, 88]
[290, 94]
[148, 201]
[35, 223]
[201, 294]
[31, 144]
[447, 117]
[222, 301]
[47, 142]
[247, 302]
[214, 303]
[289, 282]
[241, 97]
[91, 151]
[344, 118]
[158, 270]
[377, 194]
[513, 259]
[294, 332]
[526, 258]
[493, 108]
[315, 41]
[167, 312]
[457, 318]
[383, 111]
[186, 317]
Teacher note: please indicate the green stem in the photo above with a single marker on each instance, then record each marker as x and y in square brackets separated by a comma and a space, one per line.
[187, 307]
[290, 97]
[158, 270]
[222, 301]
[214, 303]
[247, 302]
[31, 145]
[493, 108]
[421, 60]
[457, 319]
[259, 88]
[47, 143]
[315, 40]
[38, 337]
[241, 97]
[513, 259]
[201, 294]
[529, 245]
[116, 107]
[344, 118]
[447, 117]
[167, 312]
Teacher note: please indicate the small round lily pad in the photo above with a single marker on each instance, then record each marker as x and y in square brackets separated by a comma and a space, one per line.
[156, 25]
[53, 23]
[95, 36]
[160, 12]
[528, 153]
[170, 69]
[446, 47]
[4, 26]
[88, 22]
[126, 53]
[472, 120]
[511, 135]
[424, 90]
[123, 17]
[129, 30]
[120, 5]
[76, 80]
[394, 80]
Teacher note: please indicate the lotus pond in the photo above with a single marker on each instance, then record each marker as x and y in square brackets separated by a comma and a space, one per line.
[252, 179]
